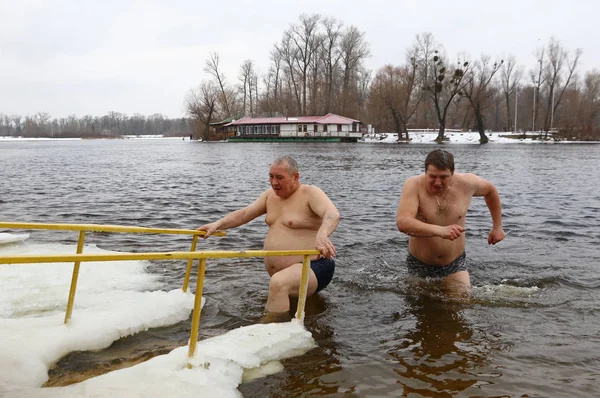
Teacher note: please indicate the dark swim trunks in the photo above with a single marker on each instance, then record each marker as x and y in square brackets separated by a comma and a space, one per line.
[419, 268]
[323, 269]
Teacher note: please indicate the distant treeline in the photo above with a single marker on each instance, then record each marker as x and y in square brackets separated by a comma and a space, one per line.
[112, 125]
[318, 66]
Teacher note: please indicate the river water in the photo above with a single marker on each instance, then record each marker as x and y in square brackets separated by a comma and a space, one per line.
[530, 330]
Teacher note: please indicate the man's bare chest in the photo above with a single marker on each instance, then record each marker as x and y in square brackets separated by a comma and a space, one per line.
[292, 214]
[443, 210]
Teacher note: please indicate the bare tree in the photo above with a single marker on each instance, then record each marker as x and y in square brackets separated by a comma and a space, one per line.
[424, 50]
[536, 78]
[253, 92]
[270, 103]
[276, 71]
[318, 67]
[591, 101]
[331, 57]
[511, 76]
[247, 79]
[288, 54]
[5, 125]
[442, 90]
[316, 77]
[300, 43]
[202, 107]
[364, 82]
[396, 89]
[476, 89]
[212, 67]
[354, 50]
[557, 58]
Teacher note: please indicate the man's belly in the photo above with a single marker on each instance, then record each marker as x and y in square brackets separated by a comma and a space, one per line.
[283, 238]
[435, 250]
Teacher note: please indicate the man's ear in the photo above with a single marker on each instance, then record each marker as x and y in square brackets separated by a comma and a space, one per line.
[296, 176]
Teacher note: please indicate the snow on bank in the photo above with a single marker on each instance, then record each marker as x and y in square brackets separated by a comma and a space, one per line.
[114, 300]
[15, 139]
[459, 138]
[218, 367]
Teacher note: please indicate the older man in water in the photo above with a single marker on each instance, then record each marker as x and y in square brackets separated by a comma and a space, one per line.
[300, 217]
[432, 211]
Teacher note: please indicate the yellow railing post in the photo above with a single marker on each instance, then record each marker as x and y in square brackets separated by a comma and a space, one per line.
[74, 278]
[197, 308]
[303, 289]
[188, 270]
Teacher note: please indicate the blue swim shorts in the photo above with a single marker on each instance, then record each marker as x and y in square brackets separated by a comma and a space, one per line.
[323, 269]
[420, 269]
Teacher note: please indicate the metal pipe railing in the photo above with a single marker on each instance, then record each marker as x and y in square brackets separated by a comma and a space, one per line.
[190, 256]
[105, 228]
[83, 228]
[74, 278]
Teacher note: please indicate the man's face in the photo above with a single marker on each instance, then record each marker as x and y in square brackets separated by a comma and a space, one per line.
[437, 180]
[282, 182]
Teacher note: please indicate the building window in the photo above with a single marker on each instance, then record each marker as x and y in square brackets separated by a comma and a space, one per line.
[299, 128]
[315, 128]
[324, 128]
[354, 127]
[339, 128]
[305, 127]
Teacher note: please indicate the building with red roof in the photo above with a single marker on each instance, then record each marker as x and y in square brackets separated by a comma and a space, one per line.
[330, 127]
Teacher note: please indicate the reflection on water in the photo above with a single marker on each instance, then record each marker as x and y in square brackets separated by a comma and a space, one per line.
[309, 374]
[437, 353]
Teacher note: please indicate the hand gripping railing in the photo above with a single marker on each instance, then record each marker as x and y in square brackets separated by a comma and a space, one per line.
[190, 256]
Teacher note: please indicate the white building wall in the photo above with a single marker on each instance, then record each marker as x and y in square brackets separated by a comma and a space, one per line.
[288, 130]
[291, 130]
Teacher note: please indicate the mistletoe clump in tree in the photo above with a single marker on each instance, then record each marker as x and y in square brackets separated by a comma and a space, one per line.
[444, 90]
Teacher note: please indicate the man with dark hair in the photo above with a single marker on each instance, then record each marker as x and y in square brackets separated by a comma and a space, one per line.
[432, 211]
[300, 217]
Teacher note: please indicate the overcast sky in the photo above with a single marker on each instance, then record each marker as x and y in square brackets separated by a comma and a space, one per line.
[91, 57]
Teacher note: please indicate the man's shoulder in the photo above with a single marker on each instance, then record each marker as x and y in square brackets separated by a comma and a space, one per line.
[413, 182]
[468, 183]
[266, 194]
[467, 177]
[412, 186]
[309, 189]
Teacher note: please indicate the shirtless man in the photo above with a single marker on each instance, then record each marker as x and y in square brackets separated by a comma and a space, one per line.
[300, 217]
[432, 211]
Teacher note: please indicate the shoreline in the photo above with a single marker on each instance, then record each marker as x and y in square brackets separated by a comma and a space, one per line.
[382, 138]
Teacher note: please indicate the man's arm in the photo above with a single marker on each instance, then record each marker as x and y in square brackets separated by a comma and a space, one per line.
[322, 206]
[492, 200]
[238, 217]
[407, 221]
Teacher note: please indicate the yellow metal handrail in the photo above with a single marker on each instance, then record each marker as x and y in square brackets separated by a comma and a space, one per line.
[57, 258]
[82, 228]
[105, 228]
[190, 256]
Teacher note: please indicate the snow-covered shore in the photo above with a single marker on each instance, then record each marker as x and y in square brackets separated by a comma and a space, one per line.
[462, 138]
